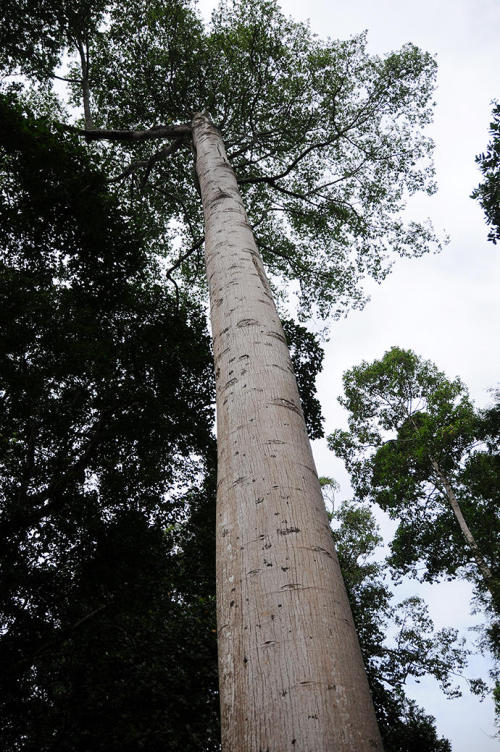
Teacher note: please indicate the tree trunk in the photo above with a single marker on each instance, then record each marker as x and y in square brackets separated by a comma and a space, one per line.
[291, 671]
[485, 571]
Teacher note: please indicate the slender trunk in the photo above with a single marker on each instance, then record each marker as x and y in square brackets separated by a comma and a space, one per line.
[291, 671]
[489, 580]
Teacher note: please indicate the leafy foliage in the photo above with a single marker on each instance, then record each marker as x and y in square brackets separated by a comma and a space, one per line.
[325, 139]
[405, 415]
[307, 358]
[106, 415]
[34, 33]
[412, 433]
[488, 192]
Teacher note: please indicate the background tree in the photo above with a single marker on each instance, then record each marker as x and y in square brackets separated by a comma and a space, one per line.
[488, 192]
[415, 447]
[419, 449]
[397, 639]
[106, 408]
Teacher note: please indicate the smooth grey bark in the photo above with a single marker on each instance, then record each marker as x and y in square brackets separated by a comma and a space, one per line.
[290, 666]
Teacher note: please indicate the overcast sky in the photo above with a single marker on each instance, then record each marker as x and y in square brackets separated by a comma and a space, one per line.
[444, 307]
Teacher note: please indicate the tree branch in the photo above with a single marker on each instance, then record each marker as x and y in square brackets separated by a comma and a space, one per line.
[84, 61]
[158, 131]
[271, 179]
[148, 163]
[179, 261]
[67, 80]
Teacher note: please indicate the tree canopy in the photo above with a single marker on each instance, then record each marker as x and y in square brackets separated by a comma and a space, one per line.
[326, 140]
[406, 417]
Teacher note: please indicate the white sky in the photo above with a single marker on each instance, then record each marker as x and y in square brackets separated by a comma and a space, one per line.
[446, 307]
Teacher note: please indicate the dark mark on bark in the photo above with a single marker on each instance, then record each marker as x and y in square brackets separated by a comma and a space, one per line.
[276, 335]
[239, 481]
[288, 530]
[319, 549]
[247, 322]
[223, 352]
[260, 273]
[282, 402]
[311, 469]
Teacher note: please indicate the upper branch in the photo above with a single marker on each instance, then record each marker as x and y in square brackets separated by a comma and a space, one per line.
[158, 131]
[271, 179]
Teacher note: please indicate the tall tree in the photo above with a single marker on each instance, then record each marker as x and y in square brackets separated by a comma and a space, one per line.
[326, 141]
[418, 448]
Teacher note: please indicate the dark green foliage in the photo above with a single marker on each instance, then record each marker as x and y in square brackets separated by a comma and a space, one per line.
[488, 192]
[84, 339]
[407, 728]
[107, 637]
[307, 359]
[130, 662]
[34, 33]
